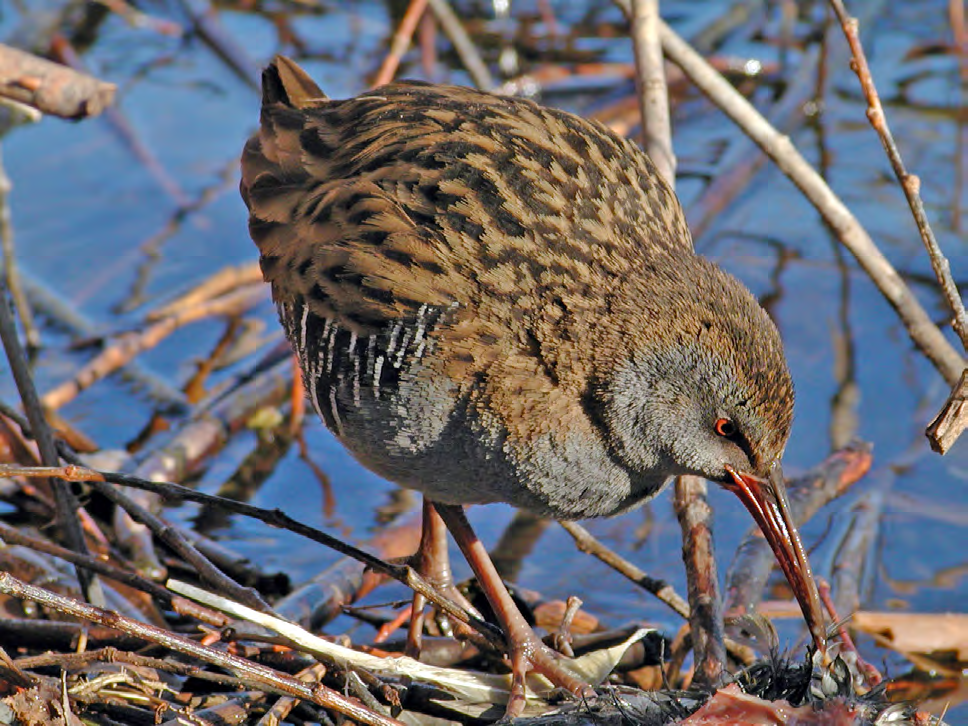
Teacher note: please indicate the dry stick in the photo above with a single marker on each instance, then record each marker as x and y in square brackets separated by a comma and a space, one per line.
[128, 345]
[141, 20]
[247, 671]
[322, 598]
[51, 87]
[110, 654]
[462, 44]
[946, 428]
[11, 535]
[852, 556]
[65, 315]
[586, 542]
[706, 617]
[282, 708]
[691, 504]
[206, 571]
[66, 504]
[952, 419]
[13, 675]
[910, 183]
[742, 161]
[401, 41]
[920, 327]
[50, 635]
[209, 29]
[653, 93]
[959, 29]
[11, 272]
[208, 430]
[221, 282]
[76, 471]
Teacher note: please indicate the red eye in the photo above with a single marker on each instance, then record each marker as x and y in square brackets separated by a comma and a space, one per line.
[725, 428]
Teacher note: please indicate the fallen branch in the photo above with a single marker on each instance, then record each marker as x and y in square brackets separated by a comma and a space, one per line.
[245, 670]
[51, 87]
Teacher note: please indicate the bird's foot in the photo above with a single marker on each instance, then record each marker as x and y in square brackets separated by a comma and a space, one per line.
[529, 654]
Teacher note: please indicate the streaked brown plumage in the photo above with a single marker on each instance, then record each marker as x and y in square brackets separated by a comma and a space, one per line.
[496, 301]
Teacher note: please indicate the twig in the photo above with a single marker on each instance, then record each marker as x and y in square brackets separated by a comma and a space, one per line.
[138, 19]
[247, 671]
[76, 471]
[586, 542]
[111, 654]
[463, 44]
[282, 708]
[11, 273]
[172, 537]
[322, 598]
[706, 617]
[653, 93]
[920, 327]
[64, 314]
[691, 505]
[401, 41]
[129, 345]
[11, 535]
[50, 635]
[66, 504]
[959, 29]
[207, 431]
[910, 183]
[221, 282]
[51, 87]
[209, 29]
[951, 421]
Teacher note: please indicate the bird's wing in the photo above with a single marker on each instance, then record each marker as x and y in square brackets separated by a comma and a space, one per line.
[414, 195]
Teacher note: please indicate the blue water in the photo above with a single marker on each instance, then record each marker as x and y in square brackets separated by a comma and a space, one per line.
[83, 207]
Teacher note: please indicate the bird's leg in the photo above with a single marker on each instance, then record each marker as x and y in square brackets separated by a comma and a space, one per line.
[526, 650]
[433, 563]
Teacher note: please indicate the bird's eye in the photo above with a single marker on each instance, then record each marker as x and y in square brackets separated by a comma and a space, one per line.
[725, 428]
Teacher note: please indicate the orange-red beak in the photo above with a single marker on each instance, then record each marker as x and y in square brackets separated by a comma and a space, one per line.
[766, 500]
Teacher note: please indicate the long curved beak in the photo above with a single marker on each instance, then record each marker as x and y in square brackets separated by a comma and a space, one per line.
[766, 500]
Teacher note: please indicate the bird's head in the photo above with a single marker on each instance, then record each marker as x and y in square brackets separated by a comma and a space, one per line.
[701, 386]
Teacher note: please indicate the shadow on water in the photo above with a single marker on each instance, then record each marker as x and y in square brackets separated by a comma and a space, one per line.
[115, 217]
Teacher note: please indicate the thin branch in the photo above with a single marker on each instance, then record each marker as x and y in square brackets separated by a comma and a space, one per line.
[11, 270]
[947, 426]
[586, 542]
[910, 183]
[401, 41]
[463, 44]
[66, 503]
[246, 670]
[706, 619]
[922, 330]
[76, 471]
[653, 92]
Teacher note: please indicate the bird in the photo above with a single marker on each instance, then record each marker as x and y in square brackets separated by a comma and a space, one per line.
[496, 301]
